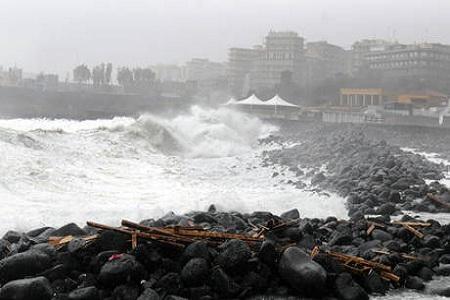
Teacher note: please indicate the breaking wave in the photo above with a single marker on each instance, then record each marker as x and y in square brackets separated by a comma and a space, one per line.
[59, 171]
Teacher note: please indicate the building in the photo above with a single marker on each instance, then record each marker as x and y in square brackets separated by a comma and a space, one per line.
[282, 53]
[334, 59]
[426, 66]
[362, 97]
[362, 48]
[169, 72]
[208, 76]
[10, 77]
[241, 62]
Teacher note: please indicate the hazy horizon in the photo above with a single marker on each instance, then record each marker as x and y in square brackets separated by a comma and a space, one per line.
[54, 36]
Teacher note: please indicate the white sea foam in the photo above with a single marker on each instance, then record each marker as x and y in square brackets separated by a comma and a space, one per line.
[57, 171]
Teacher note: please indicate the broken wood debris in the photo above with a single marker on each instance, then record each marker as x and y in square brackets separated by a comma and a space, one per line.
[61, 241]
[358, 265]
[178, 236]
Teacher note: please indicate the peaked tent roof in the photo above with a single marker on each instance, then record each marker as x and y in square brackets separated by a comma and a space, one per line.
[252, 100]
[278, 101]
[231, 101]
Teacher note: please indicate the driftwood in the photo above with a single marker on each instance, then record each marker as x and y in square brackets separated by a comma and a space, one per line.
[175, 236]
[359, 265]
[61, 241]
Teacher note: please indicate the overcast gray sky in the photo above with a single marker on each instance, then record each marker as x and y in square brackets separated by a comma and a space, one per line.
[55, 35]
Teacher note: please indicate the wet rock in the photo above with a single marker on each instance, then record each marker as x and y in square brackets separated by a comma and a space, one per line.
[125, 292]
[302, 273]
[69, 229]
[195, 272]
[443, 270]
[381, 235]
[223, 284]
[27, 289]
[87, 293]
[5, 248]
[374, 284]
[12, 236]
[233, 255]
[121, 269]
[425, 273]
[444, 291]
[197, 249]
[23, 264]
[414, 283]
[292, 214]
[347, 289]
[268, 253]
[169, 282]
[111, 240]
[386, 209]
[149, 294]
[432, 241]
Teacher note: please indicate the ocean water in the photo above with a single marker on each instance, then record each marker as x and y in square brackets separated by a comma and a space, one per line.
[59, 171]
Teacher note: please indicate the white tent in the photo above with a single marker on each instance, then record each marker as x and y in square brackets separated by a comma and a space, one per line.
[252, 100]
[232, 101]
[278, 101]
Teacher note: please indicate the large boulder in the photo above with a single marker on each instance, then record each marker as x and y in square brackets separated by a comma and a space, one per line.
[121, 269]
[23, 264]
[27, 289]
[233, 255]
[69, 229]
[195, 272]
[302, 273]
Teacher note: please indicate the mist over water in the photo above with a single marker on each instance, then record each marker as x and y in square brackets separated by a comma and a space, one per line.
[59, 171]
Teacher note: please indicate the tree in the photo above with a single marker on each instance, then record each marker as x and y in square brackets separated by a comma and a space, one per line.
[124, 76]
[81, 74]
[108, 73]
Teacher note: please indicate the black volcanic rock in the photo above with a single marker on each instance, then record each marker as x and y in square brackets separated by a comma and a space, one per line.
[302, 273]
[23, 264]
[27, 289]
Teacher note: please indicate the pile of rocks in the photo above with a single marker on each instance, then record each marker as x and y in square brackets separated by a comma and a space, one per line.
[108, 267]
[376, 178]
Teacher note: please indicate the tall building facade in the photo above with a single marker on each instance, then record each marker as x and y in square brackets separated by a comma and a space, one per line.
[241, 62]
[426, 65]
[362, 48]
[334, 59]
[283, 52]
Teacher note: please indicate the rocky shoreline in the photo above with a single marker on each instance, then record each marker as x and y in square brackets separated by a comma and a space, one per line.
[374, 176]
[258, 255]
[296, 257]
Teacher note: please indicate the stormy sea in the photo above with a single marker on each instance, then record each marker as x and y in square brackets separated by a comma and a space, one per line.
[60, 171]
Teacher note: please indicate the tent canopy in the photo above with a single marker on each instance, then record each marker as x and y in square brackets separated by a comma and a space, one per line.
[278, 101]
[231, 101]
[252, 100]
